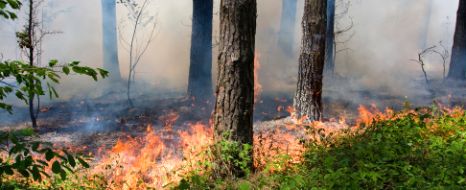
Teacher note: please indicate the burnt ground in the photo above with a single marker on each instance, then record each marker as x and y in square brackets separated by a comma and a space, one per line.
[102, 121]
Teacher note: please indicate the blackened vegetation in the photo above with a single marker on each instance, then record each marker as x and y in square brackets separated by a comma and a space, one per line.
[308, 98]
[200, 70]
[235, 83]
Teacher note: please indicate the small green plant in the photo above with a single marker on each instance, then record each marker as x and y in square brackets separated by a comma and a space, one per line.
[421, 150]
[22, 160]
[231, 157]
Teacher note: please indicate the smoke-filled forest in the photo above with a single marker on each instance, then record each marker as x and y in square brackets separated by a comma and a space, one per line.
[232, 94]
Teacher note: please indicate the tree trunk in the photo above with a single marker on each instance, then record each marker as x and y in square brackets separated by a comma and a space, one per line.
[330, 38]
[288, 21]
[458, 57]
[308, 98]
[200, 69]
[109, 36]
[31, 55]
[235, 82]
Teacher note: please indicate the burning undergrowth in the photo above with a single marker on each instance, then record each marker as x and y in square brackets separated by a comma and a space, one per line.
[160, 154]
[157, 147]
[161, 157]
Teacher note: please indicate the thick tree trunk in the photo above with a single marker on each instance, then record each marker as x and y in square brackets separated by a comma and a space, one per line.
[458, 57]
[330, 38]
[308, 98]
[288, 21]
[110, 39]
[200, 69]
[235, 82]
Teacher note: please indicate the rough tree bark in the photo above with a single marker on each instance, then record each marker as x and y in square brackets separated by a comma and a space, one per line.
[458, 58]
[330, 38]
[308, 98]
[109, 37]
[235, 82]
[287, 26]
[200, 69]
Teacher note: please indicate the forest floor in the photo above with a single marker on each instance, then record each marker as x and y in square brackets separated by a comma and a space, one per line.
[100, 122]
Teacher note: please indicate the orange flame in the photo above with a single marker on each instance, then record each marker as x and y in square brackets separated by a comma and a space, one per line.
[257, 85]
[161, 157]
[157, 159]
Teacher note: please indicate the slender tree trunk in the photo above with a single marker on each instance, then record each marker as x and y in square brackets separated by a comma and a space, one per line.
[458, 57]
[110, 39]
[200, 69]
[235, 82]
[308, 98]
[330, 39]
[288, 21]
[30, 29]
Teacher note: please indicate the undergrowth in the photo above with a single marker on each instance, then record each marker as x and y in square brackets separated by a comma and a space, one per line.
[421, 149]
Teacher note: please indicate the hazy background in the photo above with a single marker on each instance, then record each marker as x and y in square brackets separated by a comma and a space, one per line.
[376, 53]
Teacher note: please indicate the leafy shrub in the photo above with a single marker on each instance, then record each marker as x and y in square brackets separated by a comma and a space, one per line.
[418, 150]
[424, 149]
[29, 79]
[23, 161]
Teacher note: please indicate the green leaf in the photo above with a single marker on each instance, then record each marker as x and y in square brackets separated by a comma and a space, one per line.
[82, 162]
[8, 170]
[102, 72]
[244, 186]
[12, 15]
[24, 173]
[15, 4]
[56, 167]
[63, 174]
[74, 63]
[49, 155]
[20, 96]
[55, 93]
[70, 159]
[66, 70]
[36, 174]
[53, 62]
[35, 146]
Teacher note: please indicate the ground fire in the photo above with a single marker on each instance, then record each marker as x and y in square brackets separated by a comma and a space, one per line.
[232, 94]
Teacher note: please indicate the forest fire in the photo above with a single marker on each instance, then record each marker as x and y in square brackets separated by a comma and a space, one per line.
[237, 100]
[161, 157]
[257, 84]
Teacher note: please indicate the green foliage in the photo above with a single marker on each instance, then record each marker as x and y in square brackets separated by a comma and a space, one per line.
[30, 160]
[30, 80]
[233, 156]
[416, 151]
[7, 8]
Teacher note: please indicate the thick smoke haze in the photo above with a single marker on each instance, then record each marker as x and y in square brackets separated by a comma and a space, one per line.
[376, 52]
